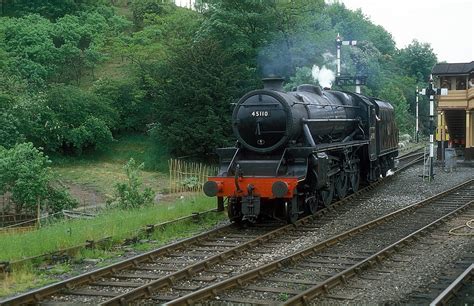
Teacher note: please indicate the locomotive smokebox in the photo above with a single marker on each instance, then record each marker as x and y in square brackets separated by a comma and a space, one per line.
[273, 83]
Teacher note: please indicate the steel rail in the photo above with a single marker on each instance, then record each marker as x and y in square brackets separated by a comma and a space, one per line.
[84, 279]
[455, 286]
[239, 280]
[147, 289]
[37, 295]
[150, 287]
[9, 266]
[342, 277]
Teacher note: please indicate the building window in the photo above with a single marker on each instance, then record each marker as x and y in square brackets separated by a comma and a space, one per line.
[445, 83]
[461, 83]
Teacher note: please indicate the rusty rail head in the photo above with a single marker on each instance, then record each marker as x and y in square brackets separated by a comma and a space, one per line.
[39, 294]
[342, 276]
[239, 280]
[36, 296]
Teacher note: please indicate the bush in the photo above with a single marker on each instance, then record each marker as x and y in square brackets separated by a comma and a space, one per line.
[127, 99]
[67, 119]
[129, 194]
[25, 173]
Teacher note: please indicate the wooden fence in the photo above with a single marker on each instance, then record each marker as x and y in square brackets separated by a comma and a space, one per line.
[17, 230]
[188, 176]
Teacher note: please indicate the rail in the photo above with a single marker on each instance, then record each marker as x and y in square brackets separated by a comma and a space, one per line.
[155, 284]
[448, 293]
[209, 292]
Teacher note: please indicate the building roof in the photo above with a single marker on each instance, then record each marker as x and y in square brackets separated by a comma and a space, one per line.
[455, 68]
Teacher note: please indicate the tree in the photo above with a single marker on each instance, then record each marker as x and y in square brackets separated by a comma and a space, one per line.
[66, 119]
[127, 99]
[51, 9]
[79, 119]
[41, 51]
[141, 9]
[417, 59]
[354, 25]
[25, 174]
[196, 87]
[394, 95]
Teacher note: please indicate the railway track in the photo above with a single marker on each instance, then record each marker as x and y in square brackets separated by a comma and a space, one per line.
[465, 279]
[62, 255]
[314, 271]
[171, 267]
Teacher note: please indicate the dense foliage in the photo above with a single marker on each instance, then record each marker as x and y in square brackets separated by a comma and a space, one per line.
[131, 194]
[26, 176]
[75, 73]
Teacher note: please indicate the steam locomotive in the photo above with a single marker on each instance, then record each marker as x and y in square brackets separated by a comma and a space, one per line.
[299, 150]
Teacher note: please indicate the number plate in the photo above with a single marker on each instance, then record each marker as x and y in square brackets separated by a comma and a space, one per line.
[260, 113]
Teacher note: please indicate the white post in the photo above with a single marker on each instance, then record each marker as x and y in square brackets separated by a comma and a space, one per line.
[357, 86]
[338, 54]
[431, 95]
[417, 124]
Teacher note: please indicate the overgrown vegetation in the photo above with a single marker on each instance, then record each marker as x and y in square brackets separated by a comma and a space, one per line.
[117, 223]
[27, 177]
[129, 194]
[185, 67]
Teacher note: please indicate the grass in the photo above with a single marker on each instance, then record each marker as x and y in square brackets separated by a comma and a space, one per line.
[119, 224]
[26, 279]
[102, 170]
[28, 276]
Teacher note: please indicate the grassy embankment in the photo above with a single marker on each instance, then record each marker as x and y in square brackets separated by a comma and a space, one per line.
[119, 224]
[100, 172]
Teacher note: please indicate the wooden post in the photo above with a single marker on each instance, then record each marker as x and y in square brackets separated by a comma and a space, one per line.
[170, 166]
[38, 213]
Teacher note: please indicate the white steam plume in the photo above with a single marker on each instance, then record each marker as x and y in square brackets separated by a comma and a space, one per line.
[324, 76]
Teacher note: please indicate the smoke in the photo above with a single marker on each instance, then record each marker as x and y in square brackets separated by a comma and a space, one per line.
[324, 76]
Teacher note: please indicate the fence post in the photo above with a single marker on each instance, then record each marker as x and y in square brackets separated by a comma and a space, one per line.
[38, 212]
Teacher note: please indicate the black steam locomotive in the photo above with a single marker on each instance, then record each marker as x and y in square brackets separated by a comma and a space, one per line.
[299, 150]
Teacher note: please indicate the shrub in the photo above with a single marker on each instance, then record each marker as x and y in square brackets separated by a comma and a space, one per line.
[129, 194]
[25, 173]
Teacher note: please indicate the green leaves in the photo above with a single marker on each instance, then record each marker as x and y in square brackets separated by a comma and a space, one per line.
[395, 96]
[42, 51]
[417, 60]
[83, 120]
[131, 194]
[198, 84]
[25, 174]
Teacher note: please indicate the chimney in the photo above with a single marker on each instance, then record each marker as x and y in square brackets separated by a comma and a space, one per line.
[274, 83]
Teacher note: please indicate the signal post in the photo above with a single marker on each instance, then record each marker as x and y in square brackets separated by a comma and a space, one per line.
[430, 92]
